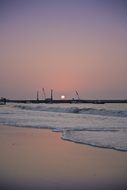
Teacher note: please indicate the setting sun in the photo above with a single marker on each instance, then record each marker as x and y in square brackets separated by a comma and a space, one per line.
[62, 97]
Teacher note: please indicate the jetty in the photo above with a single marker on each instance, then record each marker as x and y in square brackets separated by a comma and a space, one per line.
[66, 101]
[51, 100]
[3, 101]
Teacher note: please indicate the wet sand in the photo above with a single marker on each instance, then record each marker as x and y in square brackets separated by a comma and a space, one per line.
[39, 159]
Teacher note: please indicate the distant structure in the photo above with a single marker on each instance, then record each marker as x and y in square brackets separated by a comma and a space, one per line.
[43, 90]
[47, 99]
[37, 95]
[51, 95]
[77, 94]
[2, 101]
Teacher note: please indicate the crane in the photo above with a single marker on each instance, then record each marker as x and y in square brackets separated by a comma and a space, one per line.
[43, 90]
[37, 95]
[77, 94]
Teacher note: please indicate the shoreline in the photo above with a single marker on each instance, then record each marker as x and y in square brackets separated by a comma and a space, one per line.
[64, 139]
[32, 158]
[94, 146]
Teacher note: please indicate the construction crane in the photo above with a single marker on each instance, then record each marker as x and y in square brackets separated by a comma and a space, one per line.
[77, 94]
[37, 95]
[51, 94]
[43, 90]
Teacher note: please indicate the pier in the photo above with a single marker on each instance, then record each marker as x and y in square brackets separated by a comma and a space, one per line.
[65, 101]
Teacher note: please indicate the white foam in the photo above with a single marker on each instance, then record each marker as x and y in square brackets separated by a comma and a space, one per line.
[106, 139]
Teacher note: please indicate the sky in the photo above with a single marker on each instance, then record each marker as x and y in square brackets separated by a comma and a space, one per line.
[64, 45]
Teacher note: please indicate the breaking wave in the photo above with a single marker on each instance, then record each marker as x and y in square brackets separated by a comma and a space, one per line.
[104, 139]
[75, 110]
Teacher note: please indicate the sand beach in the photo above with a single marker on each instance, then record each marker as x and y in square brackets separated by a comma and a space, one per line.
[40, 159]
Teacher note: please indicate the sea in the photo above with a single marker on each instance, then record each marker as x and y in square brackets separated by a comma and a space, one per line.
[100, 125]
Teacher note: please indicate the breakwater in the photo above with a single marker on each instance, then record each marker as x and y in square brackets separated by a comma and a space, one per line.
[70, 101]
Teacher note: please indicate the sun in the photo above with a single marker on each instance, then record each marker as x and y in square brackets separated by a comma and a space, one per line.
[62, 97]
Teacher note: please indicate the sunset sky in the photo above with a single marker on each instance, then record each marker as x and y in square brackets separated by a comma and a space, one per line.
[65, 45]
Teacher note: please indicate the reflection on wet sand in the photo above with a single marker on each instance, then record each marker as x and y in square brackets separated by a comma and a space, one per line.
[39, 159]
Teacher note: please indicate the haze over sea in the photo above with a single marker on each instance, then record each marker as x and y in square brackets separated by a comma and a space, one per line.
[93, 124]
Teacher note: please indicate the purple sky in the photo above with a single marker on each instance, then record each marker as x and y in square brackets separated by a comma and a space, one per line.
[65, 45]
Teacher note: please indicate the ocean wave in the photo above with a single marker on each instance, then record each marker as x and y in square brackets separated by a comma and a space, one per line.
[86, 125]
[75, 110]
[102, 139]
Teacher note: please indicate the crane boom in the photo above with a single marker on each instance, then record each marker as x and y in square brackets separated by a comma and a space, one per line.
[44, 92]
[77, 94]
